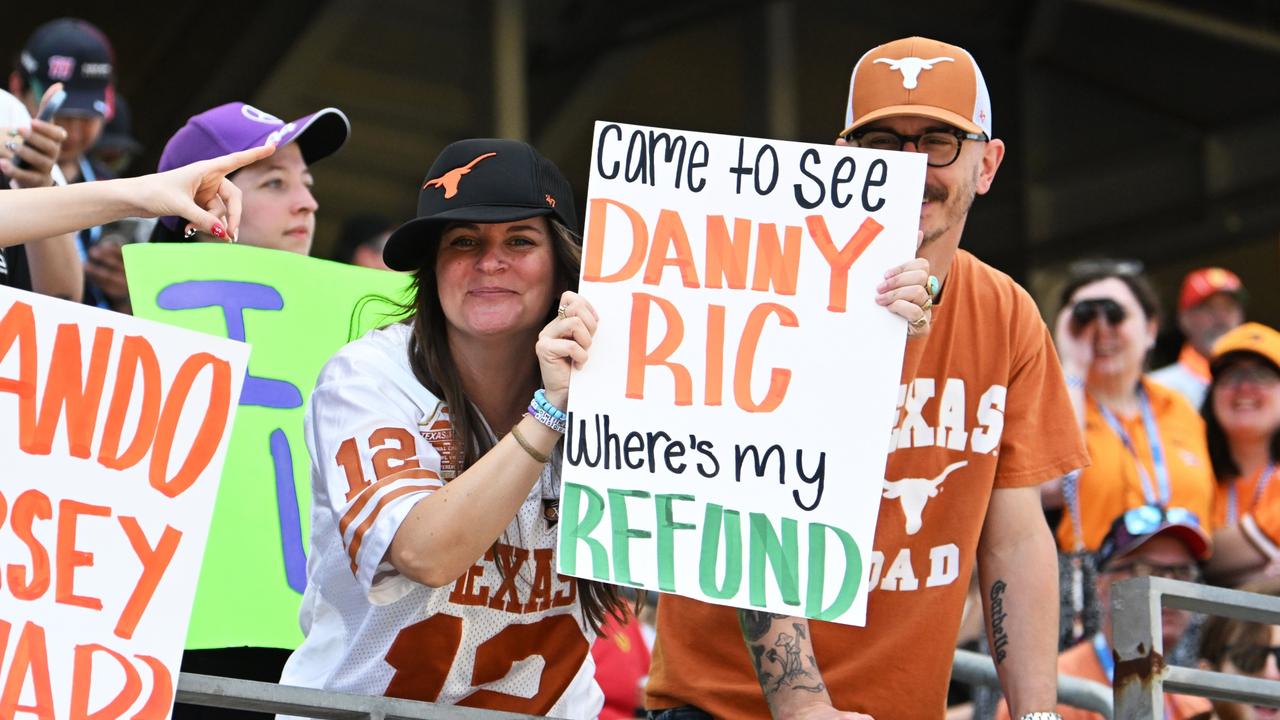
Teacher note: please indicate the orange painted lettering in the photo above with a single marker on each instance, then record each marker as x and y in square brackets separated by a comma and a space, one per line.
[19, 326]
[67, 558]
[67, 389]
[669, 234]
[593, 257]
[30, 505]
[842, 259]
[727, 258]
[160, 701]
[82, 681]
[30, 659]
[715, 355]
[154, 563]
[207, 437]
[777, 263]
[136, 355]
[638, 359]
[779, 378]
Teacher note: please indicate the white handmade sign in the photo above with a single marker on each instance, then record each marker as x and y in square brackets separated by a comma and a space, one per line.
[112, 436]
[728, 435]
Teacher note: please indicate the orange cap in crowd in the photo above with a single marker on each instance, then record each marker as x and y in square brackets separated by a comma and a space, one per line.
[919, 76]
[1250, 337]
[1200, 285]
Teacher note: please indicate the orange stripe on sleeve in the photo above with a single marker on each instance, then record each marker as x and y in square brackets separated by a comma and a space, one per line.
[353, 550]
[367, 493]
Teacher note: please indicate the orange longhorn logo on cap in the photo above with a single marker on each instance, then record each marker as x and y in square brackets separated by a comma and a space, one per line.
[449, 181]
[910, 67]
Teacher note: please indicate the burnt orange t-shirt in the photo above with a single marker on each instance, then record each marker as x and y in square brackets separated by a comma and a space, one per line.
[983, 406]
[1081, 661]
[1112, 484]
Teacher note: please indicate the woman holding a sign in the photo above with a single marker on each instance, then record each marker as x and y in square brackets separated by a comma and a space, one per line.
[436, 475]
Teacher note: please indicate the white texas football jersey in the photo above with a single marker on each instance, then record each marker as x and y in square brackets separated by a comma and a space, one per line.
[379, 443]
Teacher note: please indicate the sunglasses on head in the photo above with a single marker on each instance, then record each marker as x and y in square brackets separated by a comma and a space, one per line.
[1147, 518]
[1252, 658]
[1086, 311]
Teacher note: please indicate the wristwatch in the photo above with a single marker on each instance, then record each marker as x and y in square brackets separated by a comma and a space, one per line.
[1040, 716]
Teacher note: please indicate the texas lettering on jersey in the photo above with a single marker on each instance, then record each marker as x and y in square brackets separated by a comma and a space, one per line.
[930, 419]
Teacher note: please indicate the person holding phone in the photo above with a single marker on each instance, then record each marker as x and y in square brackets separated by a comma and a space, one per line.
[1146, 441]
[76, 54]
[29, 151]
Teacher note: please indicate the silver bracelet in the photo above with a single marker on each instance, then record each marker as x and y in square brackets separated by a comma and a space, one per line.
[1042, 715]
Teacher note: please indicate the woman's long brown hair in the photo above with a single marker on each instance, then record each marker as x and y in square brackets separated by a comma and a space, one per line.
[433, 365]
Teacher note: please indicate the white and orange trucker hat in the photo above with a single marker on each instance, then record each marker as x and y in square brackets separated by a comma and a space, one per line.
[919, 76]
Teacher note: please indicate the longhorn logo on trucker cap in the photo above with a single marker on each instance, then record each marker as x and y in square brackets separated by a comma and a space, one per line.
[910, 68]
[449, 181]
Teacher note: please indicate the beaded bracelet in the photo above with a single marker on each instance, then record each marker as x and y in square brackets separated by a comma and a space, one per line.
[559, 424]
[540, 399]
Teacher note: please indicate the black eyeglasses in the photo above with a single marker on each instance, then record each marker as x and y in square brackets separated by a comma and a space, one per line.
[941, 146]
[1086, 311]
[1252, 658]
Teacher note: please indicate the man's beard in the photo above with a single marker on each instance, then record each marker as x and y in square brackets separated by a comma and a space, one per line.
[952, 212]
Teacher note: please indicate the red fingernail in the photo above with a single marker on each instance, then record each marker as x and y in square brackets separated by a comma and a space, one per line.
[218, 231]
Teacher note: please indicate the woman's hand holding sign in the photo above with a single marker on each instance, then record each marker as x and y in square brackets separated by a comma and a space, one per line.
[563, 343]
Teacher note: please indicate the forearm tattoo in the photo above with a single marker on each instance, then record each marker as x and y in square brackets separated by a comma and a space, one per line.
[779, 665]
[999, 638]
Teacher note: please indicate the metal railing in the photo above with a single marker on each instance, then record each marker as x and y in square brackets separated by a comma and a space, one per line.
[236, 694]
[970, 667]
[974, 668]
[1141, 675]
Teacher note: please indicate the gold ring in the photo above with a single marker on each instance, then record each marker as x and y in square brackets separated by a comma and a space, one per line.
[560, 313]
[920, 323]
[927, 304]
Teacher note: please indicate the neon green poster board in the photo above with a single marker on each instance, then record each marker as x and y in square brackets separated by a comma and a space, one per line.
[294, 312]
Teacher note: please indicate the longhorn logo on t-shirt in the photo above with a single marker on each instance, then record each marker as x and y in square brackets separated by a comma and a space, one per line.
[914, 494]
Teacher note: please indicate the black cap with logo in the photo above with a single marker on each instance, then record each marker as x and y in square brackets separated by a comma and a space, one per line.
[76, 54]
[482, 180]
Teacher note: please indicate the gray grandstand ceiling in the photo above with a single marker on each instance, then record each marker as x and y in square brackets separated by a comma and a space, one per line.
[1138, 128]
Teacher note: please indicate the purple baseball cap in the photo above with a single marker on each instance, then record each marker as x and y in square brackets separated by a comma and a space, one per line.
[239, 126]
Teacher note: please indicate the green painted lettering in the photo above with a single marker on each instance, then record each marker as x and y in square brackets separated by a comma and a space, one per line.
[667, 526]
[623, 533]
[711, 552]
[577, 525]
[817, 570]
[782, 554]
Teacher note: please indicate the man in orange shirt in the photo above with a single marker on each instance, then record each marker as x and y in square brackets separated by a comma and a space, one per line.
[1210, 304]
[983, 418]
[1144, 541]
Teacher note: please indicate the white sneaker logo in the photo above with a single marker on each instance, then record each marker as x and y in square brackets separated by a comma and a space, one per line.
[910, 68]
